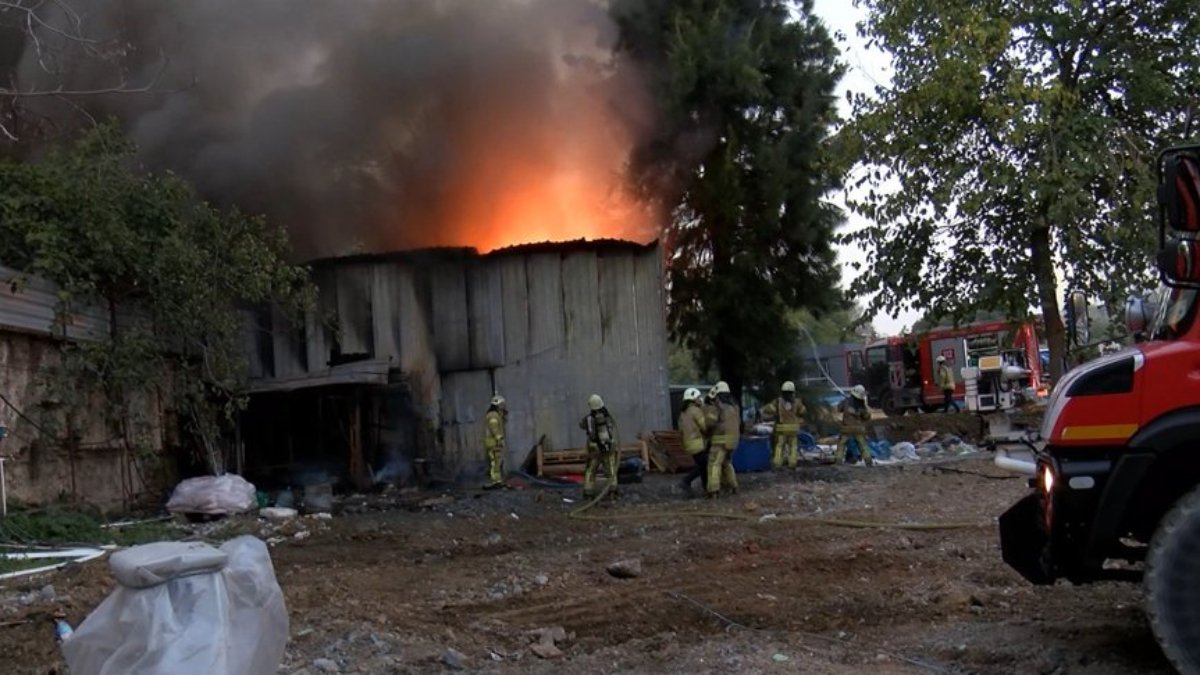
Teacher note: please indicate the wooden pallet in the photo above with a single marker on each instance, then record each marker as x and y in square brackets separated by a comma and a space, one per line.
[667, 453]
[574, 460]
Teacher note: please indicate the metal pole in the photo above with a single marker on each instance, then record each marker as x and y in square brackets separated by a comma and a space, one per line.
[3, 480]
[3, 492]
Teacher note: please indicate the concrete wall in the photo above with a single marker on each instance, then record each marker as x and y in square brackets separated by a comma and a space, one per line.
[38, 467]
[546, 326]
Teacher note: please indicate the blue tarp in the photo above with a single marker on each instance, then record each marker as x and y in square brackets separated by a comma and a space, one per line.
[879, 450]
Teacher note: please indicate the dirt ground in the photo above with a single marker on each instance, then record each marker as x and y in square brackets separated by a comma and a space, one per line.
[393, 585]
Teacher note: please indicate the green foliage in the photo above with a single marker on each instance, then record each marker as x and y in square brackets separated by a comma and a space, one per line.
[841, 326]
[738, 157]
[171, 272]
[682, 367]
[1018, 136]
[63, 525]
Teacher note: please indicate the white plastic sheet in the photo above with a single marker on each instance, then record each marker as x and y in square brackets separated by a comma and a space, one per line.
[214, 495]
[196, 622]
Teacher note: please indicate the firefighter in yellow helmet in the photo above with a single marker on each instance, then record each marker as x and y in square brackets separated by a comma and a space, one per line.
[945, 380]
[855, 415]
[493, 440]
[602, 446]
[725, 438]
[788, 414]
[693, 428]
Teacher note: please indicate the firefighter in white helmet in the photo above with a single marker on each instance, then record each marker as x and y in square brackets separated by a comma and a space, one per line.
[725, 438]
[493, 440]
[945, 380]
[788, 414]
[602, 446]
[855, 415]
[694, 428]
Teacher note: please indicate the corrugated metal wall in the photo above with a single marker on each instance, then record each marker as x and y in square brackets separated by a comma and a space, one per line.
[28, 303]
[545, 326]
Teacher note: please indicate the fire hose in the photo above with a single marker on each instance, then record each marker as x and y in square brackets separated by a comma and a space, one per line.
[580, 513]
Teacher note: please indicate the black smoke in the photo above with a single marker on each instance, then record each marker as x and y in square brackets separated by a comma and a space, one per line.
[357, 125]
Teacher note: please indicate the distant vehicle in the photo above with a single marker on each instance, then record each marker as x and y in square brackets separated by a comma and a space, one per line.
[899, 372]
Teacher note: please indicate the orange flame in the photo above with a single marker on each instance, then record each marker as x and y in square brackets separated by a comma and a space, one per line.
[544, 167]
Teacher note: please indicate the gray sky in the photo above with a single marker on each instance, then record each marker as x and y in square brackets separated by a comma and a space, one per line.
[865, 68]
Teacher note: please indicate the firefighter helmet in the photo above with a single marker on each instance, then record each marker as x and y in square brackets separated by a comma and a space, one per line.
[858, 391]
[941, 359]
[498, 400]
[691, 394]
[722, 387]
[595, 402]
[789, 386]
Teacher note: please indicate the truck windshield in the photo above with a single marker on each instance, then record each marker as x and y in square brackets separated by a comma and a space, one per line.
[1174, 316]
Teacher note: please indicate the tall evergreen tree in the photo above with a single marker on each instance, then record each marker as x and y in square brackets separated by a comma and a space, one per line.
[737, 156]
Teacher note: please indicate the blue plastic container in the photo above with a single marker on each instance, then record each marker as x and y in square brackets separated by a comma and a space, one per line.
[753, 454]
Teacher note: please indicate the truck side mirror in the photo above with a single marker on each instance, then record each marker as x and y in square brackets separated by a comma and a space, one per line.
[1179, 190]
[1137, 318]
[1179, 262]
[1079, 326]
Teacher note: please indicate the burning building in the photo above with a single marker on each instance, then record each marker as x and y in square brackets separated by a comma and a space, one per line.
[395, 370]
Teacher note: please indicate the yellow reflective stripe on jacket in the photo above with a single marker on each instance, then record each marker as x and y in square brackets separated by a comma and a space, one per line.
[694, 445]
[723, 439]
[787, 428]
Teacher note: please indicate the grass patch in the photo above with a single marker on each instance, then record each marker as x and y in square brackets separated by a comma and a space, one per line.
[60, 525]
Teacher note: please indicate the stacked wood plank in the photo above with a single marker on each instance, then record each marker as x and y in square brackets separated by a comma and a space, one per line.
[667, 453]
[574, 460]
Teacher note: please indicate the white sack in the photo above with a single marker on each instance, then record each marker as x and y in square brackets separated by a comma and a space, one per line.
[215, 495]
[227, 622]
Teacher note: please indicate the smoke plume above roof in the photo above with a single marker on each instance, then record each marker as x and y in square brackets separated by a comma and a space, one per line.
[378, 125]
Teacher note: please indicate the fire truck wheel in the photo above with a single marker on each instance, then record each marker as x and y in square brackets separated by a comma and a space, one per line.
[1173, 584]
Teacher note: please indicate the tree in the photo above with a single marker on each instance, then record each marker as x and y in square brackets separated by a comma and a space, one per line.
[172, 272]
[1018, 138]
[840, 326]
[737, 156]
[41, 43]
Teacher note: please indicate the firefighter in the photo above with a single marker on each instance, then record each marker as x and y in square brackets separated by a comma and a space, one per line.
[712, 413]
[855, 415]
[601, 431]
[788, 414]
[693, 427]
[945, 380]
[493, 441]
[725, 437]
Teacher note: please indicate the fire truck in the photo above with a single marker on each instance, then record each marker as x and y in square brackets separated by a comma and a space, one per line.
[899, 372]
[1116, 486]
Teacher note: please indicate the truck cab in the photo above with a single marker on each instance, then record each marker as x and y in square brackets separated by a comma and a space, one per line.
[1115, 494]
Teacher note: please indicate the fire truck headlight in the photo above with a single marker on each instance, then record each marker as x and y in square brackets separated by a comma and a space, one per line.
[1047, 479]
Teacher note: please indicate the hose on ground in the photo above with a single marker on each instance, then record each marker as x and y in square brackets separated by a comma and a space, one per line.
[580, 513]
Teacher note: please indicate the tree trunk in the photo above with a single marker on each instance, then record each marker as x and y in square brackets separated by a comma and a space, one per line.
[1047, 290]
[731, 367]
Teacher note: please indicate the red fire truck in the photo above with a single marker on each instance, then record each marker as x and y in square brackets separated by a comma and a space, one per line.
[899, 372]
[1116, 491]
